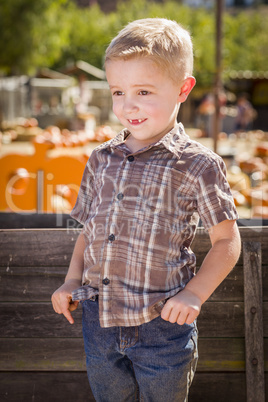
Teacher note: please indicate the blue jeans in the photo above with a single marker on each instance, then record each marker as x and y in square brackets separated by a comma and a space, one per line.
[152, 362]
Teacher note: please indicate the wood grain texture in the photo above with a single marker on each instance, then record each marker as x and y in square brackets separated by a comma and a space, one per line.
[42, 355]
[49, 354]
[22, 284]
[45, 387]
[36, 247]
[217, 319]
[54, 247]
[70, 387]
[254, 321]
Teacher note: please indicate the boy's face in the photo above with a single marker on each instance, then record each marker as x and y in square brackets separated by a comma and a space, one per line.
[145, 99]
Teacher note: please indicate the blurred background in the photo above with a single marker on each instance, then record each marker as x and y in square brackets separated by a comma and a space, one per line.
[55, 105]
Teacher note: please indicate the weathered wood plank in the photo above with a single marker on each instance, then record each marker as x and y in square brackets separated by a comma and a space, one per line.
[217, 319]
[253, 321]
[53, 247]
[219, 387]
[36, 247]
[9, 220]
[45, 387]
[13, 220]
[42, 354]
[221, 319]
[38, 354]
[23, 284]
[37, 320]
[70, 387]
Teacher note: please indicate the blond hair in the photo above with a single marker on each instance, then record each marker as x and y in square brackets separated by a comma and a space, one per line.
[163, 41]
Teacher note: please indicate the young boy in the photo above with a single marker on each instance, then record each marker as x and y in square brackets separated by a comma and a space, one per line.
[140, 200]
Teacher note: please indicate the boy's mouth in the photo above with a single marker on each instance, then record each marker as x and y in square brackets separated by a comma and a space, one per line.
[136, 121]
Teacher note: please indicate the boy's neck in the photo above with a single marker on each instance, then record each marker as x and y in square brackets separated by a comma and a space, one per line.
[135, 145]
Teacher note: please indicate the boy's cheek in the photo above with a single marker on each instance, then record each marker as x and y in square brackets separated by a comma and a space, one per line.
[116, 108]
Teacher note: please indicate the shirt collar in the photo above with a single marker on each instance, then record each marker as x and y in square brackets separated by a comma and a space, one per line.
[175, 140]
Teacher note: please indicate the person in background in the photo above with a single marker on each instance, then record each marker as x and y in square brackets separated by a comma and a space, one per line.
[246, 114]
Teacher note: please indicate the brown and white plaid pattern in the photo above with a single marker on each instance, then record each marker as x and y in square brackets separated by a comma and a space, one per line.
[140, 212]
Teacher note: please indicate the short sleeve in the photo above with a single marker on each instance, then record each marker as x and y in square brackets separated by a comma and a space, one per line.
[85, 196]
[214, 198]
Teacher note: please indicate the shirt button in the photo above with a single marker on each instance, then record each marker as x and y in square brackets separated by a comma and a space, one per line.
[130, 158]
[106, 281]
[111, 237]
[120, 196]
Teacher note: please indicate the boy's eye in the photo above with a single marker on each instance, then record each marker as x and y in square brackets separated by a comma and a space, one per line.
[144, 92]
[118, 93]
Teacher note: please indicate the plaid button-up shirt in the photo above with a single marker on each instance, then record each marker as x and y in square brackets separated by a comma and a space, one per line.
[140, 213]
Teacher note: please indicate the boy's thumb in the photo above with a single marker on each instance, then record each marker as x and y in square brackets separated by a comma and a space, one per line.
[73, 305]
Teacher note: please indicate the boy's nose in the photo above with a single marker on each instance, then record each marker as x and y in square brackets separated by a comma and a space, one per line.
[130, 105]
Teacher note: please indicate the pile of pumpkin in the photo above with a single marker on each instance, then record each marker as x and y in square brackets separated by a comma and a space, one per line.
[28, 130]
[67, 138]
[249, 181]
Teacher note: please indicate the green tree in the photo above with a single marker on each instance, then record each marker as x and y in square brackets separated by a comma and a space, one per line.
[88, 36]
[52, 33]
[245, 40]
[32, 34]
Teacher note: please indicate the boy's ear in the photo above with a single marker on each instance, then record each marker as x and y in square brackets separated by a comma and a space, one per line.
[186, 88]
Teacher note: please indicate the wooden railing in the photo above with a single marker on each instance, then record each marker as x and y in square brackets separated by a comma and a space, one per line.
[42, 355]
